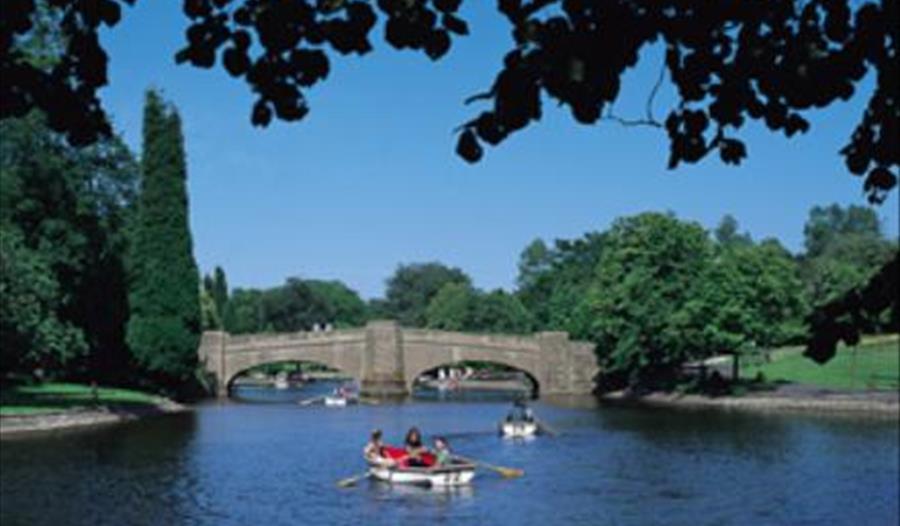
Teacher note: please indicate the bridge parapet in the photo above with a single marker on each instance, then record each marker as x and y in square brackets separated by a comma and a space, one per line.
[498, 341]
[252, 342]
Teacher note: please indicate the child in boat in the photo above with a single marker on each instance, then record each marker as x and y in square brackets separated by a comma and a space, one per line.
[373, 452]
[442, 453]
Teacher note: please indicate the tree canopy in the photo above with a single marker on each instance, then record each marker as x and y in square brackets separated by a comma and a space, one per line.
[297, 305]
[555, 290]
[64, 216]
[412, 287]
[644, 283]
[844, 248]
[460, 307]
[730, 62]
[31, 333]
[654, 291]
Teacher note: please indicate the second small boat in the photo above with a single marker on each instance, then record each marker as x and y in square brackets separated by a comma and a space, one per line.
[519, 429]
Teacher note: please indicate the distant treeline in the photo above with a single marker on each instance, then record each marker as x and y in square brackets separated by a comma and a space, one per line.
[653, 291]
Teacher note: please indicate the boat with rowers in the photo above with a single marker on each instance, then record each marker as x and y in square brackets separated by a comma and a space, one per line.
[436, 468]
[338, 401]
[407, 466]
[342, 396]
[520, 422]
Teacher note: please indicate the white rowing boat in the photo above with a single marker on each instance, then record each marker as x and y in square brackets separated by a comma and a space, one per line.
[519, 429]
[459, 473]
[336, 401]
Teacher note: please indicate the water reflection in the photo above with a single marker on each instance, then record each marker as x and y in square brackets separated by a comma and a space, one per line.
[385, 491]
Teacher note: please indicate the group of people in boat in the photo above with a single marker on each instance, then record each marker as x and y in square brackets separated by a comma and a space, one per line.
[520, 412]
[414, 453]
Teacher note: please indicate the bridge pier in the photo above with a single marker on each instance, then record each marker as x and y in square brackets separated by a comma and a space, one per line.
[212, 357]
[383, 361]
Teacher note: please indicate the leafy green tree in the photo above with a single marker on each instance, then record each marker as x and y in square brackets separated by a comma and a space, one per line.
[748, 297]
[637, 301]
[344, 305]
[535, 260]
[451, 308]
[849, 270]
[213, 300]
[72, 207]
[727, 234]
[501, 312]
[164, 328]
[459, 307]
[413, 286]
[210, 320]
[844, 247]
[827, 225]
[295, 306]
[31, 333]
[844, 318]
[555, 291]
[298, 305]
[377, 308]
[244, 312]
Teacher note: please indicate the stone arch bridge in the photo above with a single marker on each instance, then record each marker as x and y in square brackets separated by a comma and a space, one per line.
[387, 359]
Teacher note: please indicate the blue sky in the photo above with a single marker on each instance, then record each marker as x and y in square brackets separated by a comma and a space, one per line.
[369, 179]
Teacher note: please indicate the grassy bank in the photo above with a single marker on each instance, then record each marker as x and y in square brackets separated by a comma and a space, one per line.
[874, 364]
[50, 398]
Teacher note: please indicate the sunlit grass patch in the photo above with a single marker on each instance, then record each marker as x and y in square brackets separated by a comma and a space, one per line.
[54, 397]
[874, 364]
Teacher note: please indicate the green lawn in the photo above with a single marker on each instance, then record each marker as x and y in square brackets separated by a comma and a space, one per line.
[55, 397]
[874, 364]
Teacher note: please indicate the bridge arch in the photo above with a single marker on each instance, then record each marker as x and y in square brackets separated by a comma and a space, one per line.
[228, 356]
[535, 383]
[232, 381]
[456, 348]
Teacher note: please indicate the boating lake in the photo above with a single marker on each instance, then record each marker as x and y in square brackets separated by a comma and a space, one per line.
[274, 463]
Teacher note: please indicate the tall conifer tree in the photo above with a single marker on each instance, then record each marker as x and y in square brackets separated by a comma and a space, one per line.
[220, 290]
[164, 328]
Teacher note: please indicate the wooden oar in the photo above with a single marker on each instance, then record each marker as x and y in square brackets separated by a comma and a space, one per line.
[509, 473]
[351, 481]
[311, 401]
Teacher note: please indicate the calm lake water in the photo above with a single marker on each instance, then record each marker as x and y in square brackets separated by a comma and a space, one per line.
[277, 463]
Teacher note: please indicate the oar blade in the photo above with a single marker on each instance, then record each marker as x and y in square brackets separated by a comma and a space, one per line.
[351, 481]
[511, 473]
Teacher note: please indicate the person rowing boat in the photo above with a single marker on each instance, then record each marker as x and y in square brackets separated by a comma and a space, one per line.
[374, 452]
